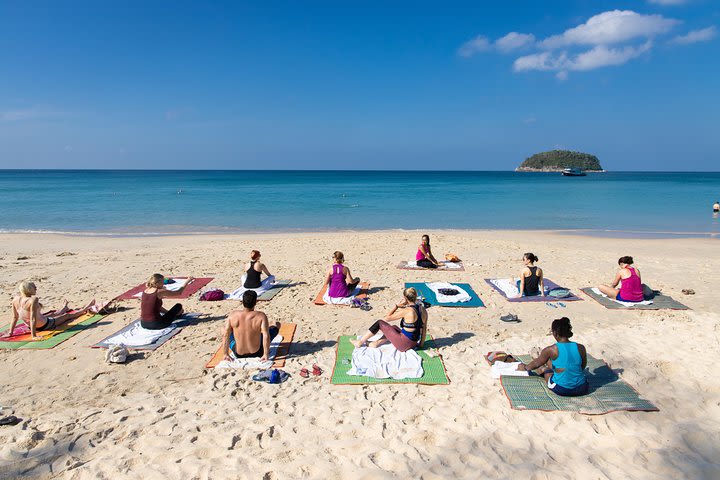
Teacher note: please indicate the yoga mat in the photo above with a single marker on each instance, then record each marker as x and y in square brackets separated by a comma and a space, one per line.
[424, 290]
[191, 289]
[179, 324]
[57, 336]
[433, 368]
[364, 286]
[270, 293]
[549, 284]
[404, 266]
[287, 330]
[660, 302]
[608, 393]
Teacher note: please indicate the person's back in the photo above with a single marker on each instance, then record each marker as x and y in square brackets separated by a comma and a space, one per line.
[532, 281]
[247, 329]
[569, 362]
[631, 288]
[338, 284]
[252, 279]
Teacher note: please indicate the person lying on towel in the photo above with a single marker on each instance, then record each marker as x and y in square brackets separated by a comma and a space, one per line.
[338, 279]
[424, 257]
[27, 307]
[411, 332]
[562, 364]
[247, 333]
[531, 277]
[153, 315]
[631, 288]
[253, 270]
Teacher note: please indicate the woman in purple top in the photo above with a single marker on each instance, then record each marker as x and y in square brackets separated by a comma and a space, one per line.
[631, 288]
[339, 281]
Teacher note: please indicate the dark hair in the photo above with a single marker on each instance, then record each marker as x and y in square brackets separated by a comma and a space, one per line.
[531, 257]
[254, 255]
[428, 238]
[627, 260]
[562, 327]
[249, 298]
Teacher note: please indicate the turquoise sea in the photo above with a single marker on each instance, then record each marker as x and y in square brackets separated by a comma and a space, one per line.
[169, 202]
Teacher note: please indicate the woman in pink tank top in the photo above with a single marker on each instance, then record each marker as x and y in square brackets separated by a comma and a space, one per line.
[628, 277]
[339, 281]
[424, 257]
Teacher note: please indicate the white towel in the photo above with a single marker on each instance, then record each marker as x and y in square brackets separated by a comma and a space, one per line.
[138, 336]
[172, 287]
[265, 285]
[253, 362]
[462, 296]
[507, 285]
[386, 362]
[626, 304]
[342, 300]
[500, 369]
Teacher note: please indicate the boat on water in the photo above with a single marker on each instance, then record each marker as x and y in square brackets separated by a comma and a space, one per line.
[573, 172]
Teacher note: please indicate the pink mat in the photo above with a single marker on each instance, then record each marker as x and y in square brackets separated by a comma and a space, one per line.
[192, 288]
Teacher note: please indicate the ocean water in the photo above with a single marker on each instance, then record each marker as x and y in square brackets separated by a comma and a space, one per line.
[167, 202]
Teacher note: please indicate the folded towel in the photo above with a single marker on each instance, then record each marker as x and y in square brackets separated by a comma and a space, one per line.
[253, 362]
[342, 300]
[172, 287]
[626, 304]
[461, 297]
[386, 362]
[265, 285]
[500, 369]
[507, 285]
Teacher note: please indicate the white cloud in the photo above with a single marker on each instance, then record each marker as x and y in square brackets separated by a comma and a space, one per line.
[615, 26]
[597, 57]
[476, 45]
[695, 36]
[668, 2]
[514, 41]
[32, 113]
[508, 43]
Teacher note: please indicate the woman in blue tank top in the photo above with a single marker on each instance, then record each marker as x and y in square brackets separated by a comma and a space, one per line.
[564, 362]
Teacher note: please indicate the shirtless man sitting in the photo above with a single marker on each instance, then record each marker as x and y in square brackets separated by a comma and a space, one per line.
[247, 332]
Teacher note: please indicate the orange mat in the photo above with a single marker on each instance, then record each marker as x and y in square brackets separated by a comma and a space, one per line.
[287, 330]
[364, 286]
[44, 334]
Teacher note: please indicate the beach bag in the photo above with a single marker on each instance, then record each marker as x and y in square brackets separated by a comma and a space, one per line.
[559, 293]
[212, 295]
[451, 257]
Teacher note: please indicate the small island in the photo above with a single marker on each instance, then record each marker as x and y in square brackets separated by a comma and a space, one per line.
[559, 160]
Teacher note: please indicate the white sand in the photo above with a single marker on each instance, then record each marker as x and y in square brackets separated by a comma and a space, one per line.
[163, 416]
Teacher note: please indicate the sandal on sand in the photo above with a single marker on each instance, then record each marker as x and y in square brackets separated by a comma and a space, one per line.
[304, 372]
[510, 317]
[688, 291]
[561, 304]
[317, 371]
[11, 420]
[551, 305]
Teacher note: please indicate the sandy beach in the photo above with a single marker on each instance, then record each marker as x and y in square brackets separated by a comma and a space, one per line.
[162, 415]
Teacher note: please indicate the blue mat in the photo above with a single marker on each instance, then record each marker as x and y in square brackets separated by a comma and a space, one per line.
[424, 291]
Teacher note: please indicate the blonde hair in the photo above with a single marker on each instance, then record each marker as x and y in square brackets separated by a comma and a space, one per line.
[254, 255]
[27, 289]
[410, 294]
[154, 280]
[339, 257]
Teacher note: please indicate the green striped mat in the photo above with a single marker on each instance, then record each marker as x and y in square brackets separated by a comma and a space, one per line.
[433, 368]
[55, 339]
[608, 393]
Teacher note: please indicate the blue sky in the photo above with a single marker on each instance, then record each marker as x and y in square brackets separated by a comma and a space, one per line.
[358, 85]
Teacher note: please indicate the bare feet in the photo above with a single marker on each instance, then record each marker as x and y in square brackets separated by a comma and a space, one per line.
[356, 343]
[89, 305]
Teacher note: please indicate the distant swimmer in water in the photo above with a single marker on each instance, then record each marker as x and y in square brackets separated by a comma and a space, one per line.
[716, 207]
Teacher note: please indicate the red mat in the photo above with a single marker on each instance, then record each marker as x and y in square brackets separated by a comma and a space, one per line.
[192, 288]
